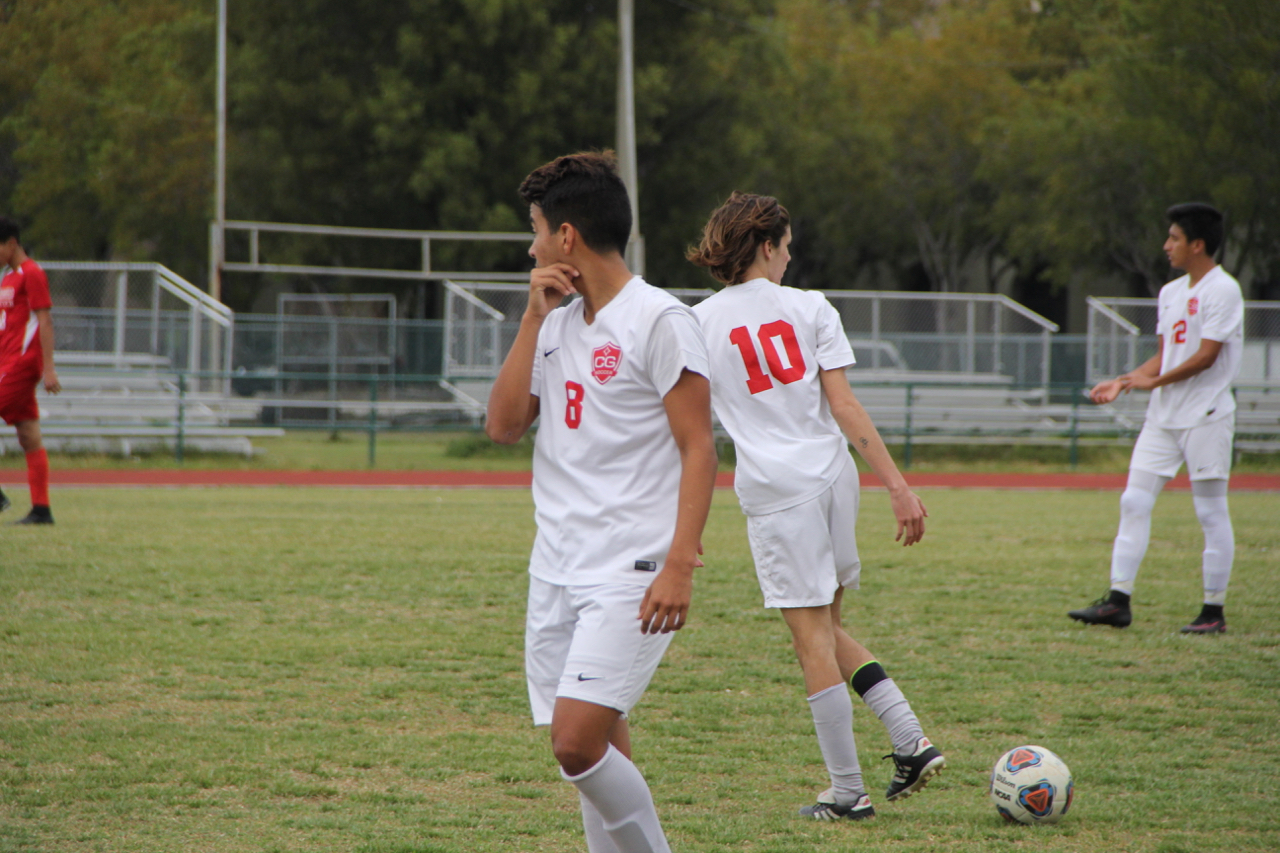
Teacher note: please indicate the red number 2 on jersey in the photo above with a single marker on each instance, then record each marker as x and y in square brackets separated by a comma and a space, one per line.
[757, 380]
[1180, 332]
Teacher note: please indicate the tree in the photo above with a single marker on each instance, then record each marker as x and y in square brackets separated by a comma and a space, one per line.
[107, 121]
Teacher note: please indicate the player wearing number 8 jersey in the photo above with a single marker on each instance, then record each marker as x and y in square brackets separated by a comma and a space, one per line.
[778, 385]
[624, 467]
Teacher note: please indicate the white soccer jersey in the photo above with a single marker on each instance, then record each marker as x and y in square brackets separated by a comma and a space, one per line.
[1213, 310]
[606, 469]
[766, 344]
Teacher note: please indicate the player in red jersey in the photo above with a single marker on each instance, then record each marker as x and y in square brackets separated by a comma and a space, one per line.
[26, 356]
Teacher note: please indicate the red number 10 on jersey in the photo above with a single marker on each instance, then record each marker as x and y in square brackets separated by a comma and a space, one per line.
[757, 379]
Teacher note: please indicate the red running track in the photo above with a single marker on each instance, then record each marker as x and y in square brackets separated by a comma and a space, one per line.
[520, 479]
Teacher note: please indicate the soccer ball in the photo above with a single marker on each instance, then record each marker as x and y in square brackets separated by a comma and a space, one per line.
[1029, 784]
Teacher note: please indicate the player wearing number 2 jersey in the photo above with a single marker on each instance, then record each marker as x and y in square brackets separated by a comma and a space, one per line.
[1191, 418]
[624, 466]
[778, 358]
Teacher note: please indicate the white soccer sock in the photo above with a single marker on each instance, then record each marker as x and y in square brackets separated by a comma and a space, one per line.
[885, 699]
[598, 840]
[622, 799]
[1219, 538]
[832, 711]
[1136, 504]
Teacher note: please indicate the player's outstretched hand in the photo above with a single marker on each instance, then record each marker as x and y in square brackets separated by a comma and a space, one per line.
[666, 602]
[548, 287]
[909, 510]
[1107, 391]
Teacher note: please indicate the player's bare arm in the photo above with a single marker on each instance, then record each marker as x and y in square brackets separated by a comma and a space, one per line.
[50, 378]
[857, 427]
[1109, 389]
[1199, 362]
[512, 409]
[666, 603]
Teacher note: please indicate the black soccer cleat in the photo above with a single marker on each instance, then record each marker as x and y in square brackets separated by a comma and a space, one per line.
[38, 515]
[1104, 611]
[1208, 622]
[828, 809]
[914, 770]
[4, 501]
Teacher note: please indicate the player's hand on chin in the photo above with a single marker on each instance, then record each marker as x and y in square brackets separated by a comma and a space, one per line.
[548, 286]
[666, 602]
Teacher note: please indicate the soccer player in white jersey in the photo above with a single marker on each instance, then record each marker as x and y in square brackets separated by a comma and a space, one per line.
[778, 358]
[1190, 418]
[623, 472]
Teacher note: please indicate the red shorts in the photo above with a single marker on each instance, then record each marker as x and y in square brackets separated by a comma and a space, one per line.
[18, 393]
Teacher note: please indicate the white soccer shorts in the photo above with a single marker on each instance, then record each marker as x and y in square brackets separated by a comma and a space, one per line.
[804, 553]
[1206, 450]
[584, 642]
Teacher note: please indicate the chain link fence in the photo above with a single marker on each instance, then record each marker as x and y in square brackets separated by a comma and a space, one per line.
[136, 315]
[1122, 335]
[960, 337]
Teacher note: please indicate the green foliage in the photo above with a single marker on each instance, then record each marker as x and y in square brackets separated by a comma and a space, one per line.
[918, 144]
[338, 670]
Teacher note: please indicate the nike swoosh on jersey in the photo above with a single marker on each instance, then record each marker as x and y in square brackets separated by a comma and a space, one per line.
[548, 352]
[582, 677]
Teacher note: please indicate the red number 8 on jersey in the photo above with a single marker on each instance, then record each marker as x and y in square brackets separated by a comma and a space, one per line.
[574, 395]
[757, 381]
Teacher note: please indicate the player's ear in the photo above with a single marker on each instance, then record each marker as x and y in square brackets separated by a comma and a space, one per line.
[569, 237]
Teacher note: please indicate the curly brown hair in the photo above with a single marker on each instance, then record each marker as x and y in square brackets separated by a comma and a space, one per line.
[586, 191]
[734, 232]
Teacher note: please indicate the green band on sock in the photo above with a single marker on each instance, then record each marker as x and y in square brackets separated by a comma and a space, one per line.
[867, 676]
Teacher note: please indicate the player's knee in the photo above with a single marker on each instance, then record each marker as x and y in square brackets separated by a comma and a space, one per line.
[1212, 513]
[29, 438]
[1136, 502]
[575, 753]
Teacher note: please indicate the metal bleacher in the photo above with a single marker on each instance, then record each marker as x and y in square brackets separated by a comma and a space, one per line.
[112, 404]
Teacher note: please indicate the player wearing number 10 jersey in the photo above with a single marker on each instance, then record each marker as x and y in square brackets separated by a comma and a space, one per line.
[624, 467]
[778, 357]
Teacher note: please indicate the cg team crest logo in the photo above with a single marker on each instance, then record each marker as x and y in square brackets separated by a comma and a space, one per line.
[1193, 305]
[605, 361]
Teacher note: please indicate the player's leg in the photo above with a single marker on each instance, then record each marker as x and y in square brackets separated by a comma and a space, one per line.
[813, 636]
[609, 784]
[607, 668]
[1208, 451]
[598, 838]
[916, 759]
[37, 471]
[1156, 459]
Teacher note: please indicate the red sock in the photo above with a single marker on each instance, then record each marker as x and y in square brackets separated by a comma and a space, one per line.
[38, 477]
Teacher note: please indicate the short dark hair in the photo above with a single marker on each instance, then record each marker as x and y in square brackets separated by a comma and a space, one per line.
[1199, 221]
[586, 191]
[735, 230]
[9, 228]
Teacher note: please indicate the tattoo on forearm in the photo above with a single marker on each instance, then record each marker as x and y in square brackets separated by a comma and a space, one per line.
[863, 442]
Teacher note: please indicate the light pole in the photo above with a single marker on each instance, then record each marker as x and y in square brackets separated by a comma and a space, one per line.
[217, 251]
[626, 130]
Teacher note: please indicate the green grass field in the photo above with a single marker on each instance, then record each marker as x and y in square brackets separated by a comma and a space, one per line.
[340, 670]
